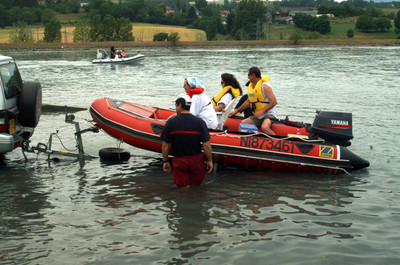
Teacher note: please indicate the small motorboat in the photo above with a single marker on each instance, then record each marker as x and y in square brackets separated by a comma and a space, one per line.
[119, 59]
[318, 147]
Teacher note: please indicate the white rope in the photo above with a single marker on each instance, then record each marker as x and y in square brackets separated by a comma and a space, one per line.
[266, 135]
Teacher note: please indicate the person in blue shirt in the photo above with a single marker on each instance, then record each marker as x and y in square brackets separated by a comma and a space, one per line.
[187, 135]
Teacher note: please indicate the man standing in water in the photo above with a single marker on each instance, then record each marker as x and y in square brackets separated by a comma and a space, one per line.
[262, 101]
[186, 134]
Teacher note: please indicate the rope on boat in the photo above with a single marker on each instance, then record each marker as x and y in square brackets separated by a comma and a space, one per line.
[266, 135]
[345, 171]
[121, 141]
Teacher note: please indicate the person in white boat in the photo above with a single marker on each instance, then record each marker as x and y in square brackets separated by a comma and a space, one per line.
[113, 52]
[99, 54]
[123, 54]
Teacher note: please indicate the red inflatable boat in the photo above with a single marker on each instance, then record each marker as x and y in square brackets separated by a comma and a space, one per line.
[298, 146]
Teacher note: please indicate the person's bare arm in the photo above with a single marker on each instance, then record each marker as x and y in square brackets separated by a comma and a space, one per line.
[269, 94]
[219, 107]
[165, 153]
[244, 106]
[208, 154]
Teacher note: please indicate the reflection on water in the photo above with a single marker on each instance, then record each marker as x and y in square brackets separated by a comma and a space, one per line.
[23, 197]
[132, 213]
[227, 209]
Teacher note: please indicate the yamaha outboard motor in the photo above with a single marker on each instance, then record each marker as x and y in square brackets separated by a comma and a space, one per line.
[335, 127]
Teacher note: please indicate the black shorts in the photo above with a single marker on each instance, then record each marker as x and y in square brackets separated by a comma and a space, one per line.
[259, 122]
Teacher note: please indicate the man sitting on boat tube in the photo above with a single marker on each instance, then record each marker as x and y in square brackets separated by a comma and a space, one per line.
[186, 134]
[201, 104]
[262, 101]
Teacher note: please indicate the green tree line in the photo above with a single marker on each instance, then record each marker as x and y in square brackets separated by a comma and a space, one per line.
[355, 4]
[106, 20]
[311, 23]
[31, 12]
[103, 29]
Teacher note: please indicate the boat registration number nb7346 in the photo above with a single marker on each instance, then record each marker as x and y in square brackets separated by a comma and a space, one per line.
[267, 143]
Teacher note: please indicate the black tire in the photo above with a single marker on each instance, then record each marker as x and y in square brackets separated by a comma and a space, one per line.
[30, 104]
[114, 154]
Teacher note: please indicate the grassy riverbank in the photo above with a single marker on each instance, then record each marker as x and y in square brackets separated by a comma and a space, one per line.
[141, 32]
[221, 44]
[279, 36]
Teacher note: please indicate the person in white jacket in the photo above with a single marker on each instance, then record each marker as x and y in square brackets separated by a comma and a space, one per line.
[201, 103]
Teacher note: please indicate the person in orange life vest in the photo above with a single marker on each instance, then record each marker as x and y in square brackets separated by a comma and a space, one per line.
[230, 90]
[186, 134]
[262, 100]
[123, 54]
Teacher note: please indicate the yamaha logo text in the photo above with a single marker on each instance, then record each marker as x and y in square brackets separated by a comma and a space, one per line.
[339, 122]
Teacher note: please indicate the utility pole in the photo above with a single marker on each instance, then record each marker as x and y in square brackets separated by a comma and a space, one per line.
[269, 22]
[315, 8]
[65, 28]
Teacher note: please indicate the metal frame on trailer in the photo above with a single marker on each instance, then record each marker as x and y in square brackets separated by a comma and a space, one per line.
[43, 148]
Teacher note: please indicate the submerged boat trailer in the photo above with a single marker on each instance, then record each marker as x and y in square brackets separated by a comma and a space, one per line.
[46, 148]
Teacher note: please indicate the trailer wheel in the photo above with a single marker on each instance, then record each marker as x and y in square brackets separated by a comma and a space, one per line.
[114, 154]
[30, 104]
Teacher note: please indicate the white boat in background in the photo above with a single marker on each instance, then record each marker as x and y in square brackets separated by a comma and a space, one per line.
[122, 60]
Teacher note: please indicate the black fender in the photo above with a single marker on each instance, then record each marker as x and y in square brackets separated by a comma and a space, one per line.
[114, 154]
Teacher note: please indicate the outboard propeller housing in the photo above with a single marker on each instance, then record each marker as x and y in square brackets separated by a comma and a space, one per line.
[333, 126]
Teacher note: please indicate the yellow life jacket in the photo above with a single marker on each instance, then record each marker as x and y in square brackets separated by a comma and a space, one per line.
[235, 92]
[256, 96]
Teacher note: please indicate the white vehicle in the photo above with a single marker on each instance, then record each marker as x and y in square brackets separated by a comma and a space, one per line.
[20, 106]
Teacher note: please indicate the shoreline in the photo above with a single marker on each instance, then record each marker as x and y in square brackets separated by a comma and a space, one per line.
[203, 44]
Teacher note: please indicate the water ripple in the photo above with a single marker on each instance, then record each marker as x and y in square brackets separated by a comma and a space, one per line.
[104, 213]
